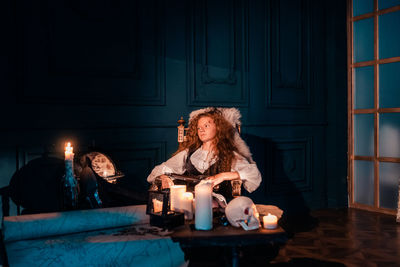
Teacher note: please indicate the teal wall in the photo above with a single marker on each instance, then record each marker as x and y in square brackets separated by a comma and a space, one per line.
[119, 74]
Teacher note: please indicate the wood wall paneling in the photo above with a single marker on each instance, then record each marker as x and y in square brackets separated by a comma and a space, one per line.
[137, 66]
[135, 160]
[288, 57]
[97, 53]
[291, 166]
[217, 53]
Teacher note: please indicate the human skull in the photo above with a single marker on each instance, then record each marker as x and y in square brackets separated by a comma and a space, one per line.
[241, 211]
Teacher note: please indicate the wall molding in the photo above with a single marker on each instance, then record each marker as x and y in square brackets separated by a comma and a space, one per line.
[140, 82]
[204, 86]
[290, 166]
[281, 92]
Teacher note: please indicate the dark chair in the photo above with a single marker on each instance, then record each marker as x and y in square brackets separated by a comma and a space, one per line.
[36, 187]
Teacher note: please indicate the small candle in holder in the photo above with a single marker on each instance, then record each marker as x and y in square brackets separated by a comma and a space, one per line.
[270, 221]
[176, 192]
[187, 204]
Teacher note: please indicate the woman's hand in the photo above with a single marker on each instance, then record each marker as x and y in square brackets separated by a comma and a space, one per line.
[166, 182]
[215, 179]
[223, 176]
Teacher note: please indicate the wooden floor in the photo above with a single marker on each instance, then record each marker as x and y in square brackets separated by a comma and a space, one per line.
[346, 237]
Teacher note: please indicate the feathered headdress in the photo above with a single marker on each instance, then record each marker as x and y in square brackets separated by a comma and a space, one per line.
[232, 115]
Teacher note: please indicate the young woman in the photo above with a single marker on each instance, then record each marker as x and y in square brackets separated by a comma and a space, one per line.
[213, 148]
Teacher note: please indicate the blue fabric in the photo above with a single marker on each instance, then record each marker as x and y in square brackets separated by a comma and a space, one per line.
[60, 223]
[118, 236]
[98, 248]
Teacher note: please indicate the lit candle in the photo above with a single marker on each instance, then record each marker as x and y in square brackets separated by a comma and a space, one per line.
[69, 155]
[187, 205]
[270, 221]
[69, 161]
[203, 202]
[157, 205]
[176, 192]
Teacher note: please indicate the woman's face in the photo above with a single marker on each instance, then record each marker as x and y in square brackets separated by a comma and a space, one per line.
[206, 129]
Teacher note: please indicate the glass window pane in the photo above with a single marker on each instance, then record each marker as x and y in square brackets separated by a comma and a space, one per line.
[364, 182]
[364, 87]
[389, 80]
[389, 35]
[389, 135]
[382, 4]
[364, 134]
[362, 6]
[364, 40]
[389, 174]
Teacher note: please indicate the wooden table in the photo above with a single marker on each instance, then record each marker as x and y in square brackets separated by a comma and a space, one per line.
[227, 236]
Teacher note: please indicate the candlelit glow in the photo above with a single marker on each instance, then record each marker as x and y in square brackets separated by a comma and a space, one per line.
[270, 221]
[187, 205]
[69, 155]
[176, 192]
[69, 148]
[157, 205]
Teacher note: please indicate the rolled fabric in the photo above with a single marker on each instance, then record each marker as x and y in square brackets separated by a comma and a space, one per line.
[107, 247]
[41, 225]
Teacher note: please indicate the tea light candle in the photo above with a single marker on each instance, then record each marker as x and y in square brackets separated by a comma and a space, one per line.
[270, 221]
[176, 192]
[203, 202]
[187, 204]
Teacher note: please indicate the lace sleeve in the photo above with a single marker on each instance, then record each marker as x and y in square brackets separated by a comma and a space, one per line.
[174, 165]
[248, 172]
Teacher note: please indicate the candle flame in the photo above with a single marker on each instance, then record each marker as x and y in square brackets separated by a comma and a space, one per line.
[69, 148]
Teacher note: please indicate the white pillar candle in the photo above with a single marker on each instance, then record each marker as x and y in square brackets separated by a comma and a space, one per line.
[203, 202]
[270, 221]
[176, 192]
[187, 205]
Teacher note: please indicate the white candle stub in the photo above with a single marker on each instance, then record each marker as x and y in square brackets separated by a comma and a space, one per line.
[203, 203]
[187, 205]
[270, 221]
[176, 192]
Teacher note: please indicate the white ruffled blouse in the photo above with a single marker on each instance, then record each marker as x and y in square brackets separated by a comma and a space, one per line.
[202, 160]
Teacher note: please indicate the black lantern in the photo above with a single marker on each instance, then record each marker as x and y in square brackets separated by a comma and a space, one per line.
[158, 208]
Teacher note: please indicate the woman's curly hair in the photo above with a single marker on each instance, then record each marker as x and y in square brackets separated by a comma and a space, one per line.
[224, 145]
